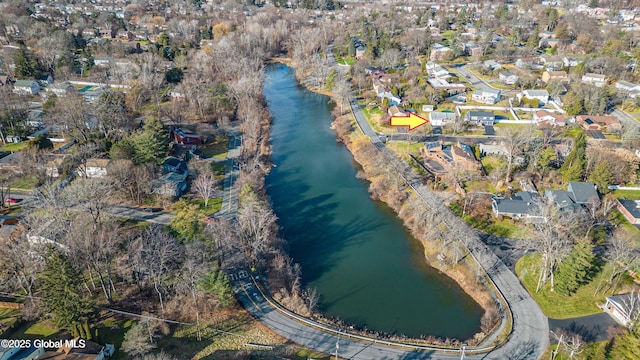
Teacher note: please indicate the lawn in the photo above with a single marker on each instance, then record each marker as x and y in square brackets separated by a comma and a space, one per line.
[404, 148]
[626, 194]
[25, 182]
[214, 206]
[13, 147]
[218, 168]
[112, 331]
[347, 60]
[8, 317]
[554, 305]
[217, 148]
[36, 330]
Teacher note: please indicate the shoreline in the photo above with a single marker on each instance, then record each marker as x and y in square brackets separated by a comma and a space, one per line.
[460, 273]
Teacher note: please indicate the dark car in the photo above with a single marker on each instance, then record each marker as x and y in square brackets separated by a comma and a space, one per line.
[151, 210]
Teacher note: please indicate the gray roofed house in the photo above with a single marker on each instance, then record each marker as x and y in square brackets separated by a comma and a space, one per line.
[583, 192]
[630, 209]
[29, 87]
[480, 117]
[521, 205]
[508, 77]
[576, 195]
[486, 96]
[437, 118]
[620, 308]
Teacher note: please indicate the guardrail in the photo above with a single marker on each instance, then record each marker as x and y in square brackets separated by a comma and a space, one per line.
[275, 305]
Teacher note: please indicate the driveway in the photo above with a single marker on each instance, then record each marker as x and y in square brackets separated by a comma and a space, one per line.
[596, 134]
[591, 327]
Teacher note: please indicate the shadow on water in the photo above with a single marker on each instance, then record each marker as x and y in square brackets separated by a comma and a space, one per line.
[367, 268]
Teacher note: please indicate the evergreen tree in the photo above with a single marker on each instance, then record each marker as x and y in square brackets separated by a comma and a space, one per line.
[573, 167]
[26, 64]
[577, 268]
[601, 176]
[534, 39]
[152, 145]
[627, 346]
[218, 285]
[352, 48]
[123, 149]
[61, 294]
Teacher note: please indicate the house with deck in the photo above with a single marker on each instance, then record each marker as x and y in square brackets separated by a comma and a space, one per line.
[522, 205]
[483, 118]
[597, 80]
[486, 96]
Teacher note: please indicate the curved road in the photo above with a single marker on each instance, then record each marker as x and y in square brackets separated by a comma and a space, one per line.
[529, 337]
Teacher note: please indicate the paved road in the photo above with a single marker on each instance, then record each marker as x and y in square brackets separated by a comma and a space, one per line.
[307, 335]
[127, 212]
[530, 336]
[230, 194]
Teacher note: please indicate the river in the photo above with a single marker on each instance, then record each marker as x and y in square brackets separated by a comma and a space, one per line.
[368, 270]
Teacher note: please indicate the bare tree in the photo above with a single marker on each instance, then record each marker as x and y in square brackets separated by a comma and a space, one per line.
[256, 228]
[514, 141]
[91, 196]
[622, 254]
[96, 249]
[204, 185]
[156, 254]
[553, 237]
[133, 182]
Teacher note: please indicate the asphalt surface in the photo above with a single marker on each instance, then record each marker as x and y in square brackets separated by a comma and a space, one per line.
[232, 168]
[591, 327]
[530, 336]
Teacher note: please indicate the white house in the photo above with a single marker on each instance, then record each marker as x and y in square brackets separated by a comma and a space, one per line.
[437, 118]
[633, 90]
[508, 77]
[541, 95]
[28, 87]
[621, 308]
[61, 89]
[94, 168]
[436, 71]
[486, 96]
[598, 80]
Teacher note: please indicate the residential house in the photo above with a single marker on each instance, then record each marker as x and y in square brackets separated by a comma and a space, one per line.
[551, 62]
[488, 149]
[450, 88]
[428, 108]
[508, 77]
[439, 52]
[451, 156]
[549, 43]
[598, 80]
[186, 137]
[486, 96]
[360, 50]
[577, 194]
[473, 50]
[599, 122]
[436, 71]
[396, 111]
[94, 168]
[5, 80]
[620, 308]
[480, 117]
[61, 89]
[53, 166]
[437, 118]
[631, 89]
[546, 119]
[175, 165]
[545, 34]
[172, 184]
[102, 61]
[492, 65]
[90, 351]
[541, 95]
[523, 204]
[570, 61]
[630, 209]
[560, 76]
[27, 87]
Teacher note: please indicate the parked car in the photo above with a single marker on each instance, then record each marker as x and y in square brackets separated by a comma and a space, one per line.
[151, 210]
[11, 200]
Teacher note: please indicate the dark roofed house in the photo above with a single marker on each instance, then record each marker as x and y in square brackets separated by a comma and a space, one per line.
[577, 194]
[5, 80]
[630, 209]
[598, 122]
[483, 118]
[521, 205]
[175, 165]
